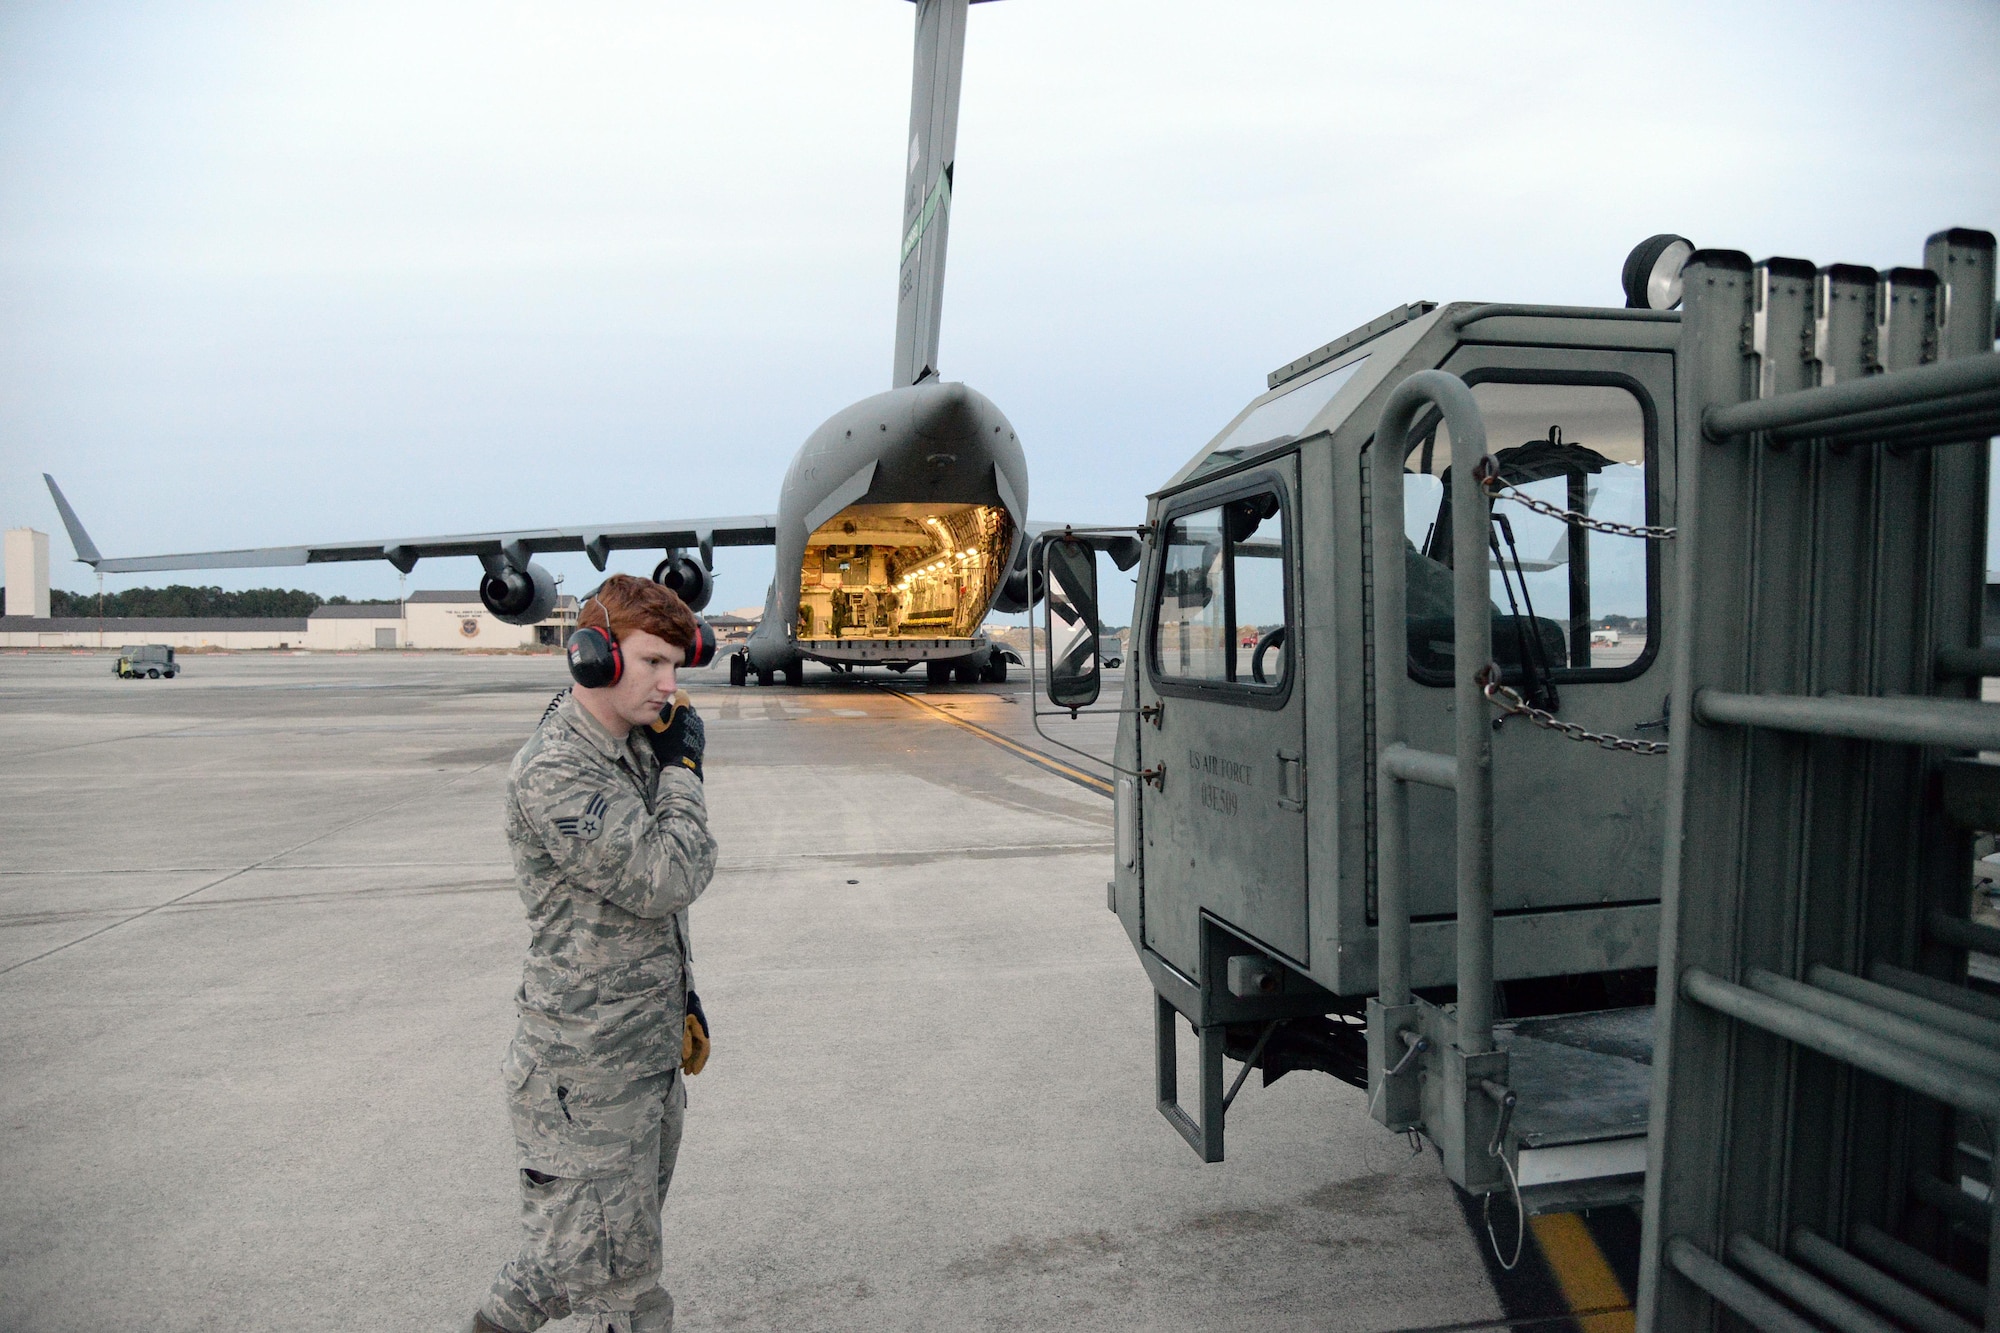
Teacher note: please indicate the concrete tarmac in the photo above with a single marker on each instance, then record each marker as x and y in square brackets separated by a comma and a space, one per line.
[259, 938]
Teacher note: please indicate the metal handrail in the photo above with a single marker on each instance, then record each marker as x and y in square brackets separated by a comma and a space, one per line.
[1423, 766]
[1962, 934]
[1918, 1270]
[1960, 724]
[1940, 992]
[1951, 1084]
[1962, 663]
[1912, 1307]
[1738, 1293]
[1471, 768]
[1825, 410]
[1910, 1033]
[1932, 1013]
[1802, 1288]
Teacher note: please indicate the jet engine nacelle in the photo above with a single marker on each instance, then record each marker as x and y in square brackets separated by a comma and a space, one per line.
[1022, 587]
[520, 596]
[688, 577]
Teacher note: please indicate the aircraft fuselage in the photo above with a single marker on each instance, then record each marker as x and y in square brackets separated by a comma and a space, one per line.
[897, 524]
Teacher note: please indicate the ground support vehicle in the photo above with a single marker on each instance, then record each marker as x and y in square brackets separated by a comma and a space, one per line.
[151, 660]
[1355, 832]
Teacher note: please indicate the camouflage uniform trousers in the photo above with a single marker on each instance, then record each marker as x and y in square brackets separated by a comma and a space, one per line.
[598, 1155]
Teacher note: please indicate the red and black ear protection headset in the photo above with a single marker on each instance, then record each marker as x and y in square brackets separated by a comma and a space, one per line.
[595, 660]
[594, 657]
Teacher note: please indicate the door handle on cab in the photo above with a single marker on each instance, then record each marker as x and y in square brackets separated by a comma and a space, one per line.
[1291, 780]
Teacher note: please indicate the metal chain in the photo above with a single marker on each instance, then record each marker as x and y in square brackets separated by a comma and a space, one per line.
[1512, 704]
[1499, 490]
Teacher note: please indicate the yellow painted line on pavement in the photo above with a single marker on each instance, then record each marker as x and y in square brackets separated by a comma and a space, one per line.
[1035, 757]
[1580, 1269]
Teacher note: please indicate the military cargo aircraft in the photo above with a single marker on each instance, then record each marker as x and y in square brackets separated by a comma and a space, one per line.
[901, 523]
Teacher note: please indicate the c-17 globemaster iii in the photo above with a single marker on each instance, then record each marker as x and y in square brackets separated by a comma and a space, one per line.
[902, 521]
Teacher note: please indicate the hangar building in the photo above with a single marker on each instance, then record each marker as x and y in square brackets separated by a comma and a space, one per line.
[434, 619]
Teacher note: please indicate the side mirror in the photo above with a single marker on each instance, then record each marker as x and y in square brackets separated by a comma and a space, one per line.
[1071, 628]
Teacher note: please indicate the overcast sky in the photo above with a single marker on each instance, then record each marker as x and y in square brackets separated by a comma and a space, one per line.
[275, 273]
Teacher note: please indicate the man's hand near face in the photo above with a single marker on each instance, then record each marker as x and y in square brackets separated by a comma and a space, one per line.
[678, 736]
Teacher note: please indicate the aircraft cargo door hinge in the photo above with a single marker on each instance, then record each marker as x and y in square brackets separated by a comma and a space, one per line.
[1154, 713]
[1155, 777]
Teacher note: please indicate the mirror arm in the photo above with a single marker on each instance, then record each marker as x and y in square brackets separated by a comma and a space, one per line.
[1125, 546]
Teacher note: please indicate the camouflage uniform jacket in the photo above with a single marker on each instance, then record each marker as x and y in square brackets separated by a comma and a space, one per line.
[610, 851]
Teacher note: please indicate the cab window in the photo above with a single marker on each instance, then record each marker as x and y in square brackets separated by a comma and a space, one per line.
[1569, 601]
[1222, 617]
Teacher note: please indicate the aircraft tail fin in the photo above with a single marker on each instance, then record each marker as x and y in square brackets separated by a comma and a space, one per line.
[86, 549]
[927, 186]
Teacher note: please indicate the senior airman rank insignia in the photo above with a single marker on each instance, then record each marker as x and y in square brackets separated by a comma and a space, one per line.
[588, 824]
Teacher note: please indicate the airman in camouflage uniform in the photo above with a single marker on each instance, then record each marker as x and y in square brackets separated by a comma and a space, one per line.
[611, 847]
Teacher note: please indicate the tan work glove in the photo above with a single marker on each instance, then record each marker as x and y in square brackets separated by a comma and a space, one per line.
[694, 1046]
[694, 1037]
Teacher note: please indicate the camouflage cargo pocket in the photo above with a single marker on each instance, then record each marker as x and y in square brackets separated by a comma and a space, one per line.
[591, 1234]
[582, 1128]
[568, 1232]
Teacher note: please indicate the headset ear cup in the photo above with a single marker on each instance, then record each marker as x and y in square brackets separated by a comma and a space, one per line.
[702, 651]
[594, 658]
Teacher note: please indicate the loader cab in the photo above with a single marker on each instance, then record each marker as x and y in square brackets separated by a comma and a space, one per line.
[1251, 653]
[1247, 783]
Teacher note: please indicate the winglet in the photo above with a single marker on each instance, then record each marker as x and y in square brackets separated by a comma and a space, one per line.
[86, 549]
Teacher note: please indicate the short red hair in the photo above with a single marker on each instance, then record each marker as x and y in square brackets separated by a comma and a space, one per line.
[623, 604]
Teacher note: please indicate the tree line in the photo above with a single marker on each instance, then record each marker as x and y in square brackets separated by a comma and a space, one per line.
[183, 601]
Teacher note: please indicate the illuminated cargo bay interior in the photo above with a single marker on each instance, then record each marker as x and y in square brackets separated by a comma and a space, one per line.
[903, 571]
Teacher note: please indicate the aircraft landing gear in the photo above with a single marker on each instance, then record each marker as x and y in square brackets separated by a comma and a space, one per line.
[966, 672]
[795, 674]
[765, 675]
[996, 668]
[937, 673]
[739, 669]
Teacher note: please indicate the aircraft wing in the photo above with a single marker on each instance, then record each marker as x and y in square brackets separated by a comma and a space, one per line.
[510, 548]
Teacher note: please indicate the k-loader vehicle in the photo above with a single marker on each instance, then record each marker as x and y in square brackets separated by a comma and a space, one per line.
[1565, 725]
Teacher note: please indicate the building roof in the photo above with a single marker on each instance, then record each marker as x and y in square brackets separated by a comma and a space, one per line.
[160, 624]
[360, 611]
[563, 600]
